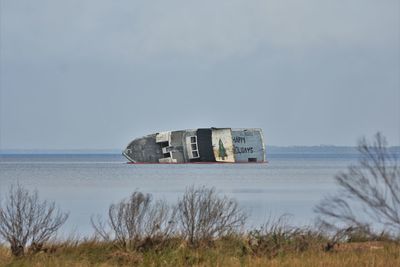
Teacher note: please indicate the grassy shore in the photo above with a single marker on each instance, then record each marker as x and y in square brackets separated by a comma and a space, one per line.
[232, 251]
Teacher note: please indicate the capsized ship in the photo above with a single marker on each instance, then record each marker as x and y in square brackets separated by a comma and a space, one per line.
[198, 145]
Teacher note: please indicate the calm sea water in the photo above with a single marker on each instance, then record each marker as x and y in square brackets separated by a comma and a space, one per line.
[86, 185]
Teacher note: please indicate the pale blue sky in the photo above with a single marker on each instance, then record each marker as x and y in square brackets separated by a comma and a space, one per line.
[95, 74]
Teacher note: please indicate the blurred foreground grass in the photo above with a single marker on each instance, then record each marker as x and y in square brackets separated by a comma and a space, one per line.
[231, 251]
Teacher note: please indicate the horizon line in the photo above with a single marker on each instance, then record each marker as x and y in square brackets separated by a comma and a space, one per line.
[119, 151]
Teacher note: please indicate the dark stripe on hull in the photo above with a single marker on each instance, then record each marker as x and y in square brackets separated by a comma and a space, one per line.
[205, 145]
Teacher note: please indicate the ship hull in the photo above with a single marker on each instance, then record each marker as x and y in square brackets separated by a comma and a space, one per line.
[204, 145]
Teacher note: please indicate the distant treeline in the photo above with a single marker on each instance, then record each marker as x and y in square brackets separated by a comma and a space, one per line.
[322, 149]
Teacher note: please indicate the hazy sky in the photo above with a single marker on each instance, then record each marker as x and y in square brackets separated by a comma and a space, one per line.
[96, 74]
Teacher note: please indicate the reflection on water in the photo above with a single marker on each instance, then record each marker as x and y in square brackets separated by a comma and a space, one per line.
[85, 185]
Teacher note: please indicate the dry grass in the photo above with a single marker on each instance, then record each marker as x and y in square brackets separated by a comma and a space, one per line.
[228, 251]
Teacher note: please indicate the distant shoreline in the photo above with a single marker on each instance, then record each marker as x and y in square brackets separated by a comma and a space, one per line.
[321, 149]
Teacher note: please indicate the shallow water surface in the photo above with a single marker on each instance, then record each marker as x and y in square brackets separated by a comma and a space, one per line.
[85, 185]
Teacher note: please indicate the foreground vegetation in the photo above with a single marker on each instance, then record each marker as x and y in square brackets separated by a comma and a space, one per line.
[228, 251]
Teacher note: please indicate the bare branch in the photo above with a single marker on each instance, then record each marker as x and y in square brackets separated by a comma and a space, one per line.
[370, 190]
[203, 215]
[25, 220]
[133, 220]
